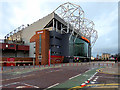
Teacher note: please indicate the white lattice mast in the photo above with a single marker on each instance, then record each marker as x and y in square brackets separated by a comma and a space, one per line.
[73, 15]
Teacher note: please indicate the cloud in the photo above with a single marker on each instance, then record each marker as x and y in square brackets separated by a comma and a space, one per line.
[14, 14]
[107, 27]
[106, 22]
[18, 12]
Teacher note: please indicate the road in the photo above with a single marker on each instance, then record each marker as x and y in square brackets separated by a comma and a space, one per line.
[67, 76]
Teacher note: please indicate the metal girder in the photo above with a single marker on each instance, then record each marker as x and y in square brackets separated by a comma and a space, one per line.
[74, 16]
[15, 31]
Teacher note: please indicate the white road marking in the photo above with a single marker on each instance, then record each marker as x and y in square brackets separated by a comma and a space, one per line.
[96, 77]
[11, 84]
[92, 76]
[28, 75]
[16, 77]
[58, 70]
[21, 87]
[92, 82]
[31, 85]
[74, 76]
[53, 85]
[17, 83]
[87, 71]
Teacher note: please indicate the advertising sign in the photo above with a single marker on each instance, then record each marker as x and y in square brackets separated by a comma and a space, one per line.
[10, 62]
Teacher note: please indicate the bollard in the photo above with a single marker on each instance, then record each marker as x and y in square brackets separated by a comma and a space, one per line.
[77, 64]
[2, 68]
[39, 65]
[98, 64]
[58, 64]
[24, 65]
[18, 66]
[112, 64]
[29, 65]
[11, 67]
[83, 85]
[69, 64]
[66, 64]
[107, 64]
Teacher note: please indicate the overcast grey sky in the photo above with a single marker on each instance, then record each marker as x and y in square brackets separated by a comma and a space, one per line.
[14, 13]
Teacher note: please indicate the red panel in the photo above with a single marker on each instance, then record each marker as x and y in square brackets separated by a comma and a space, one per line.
[53, 56]
[3, 45]
[23, 47]
[12, 46]
[56, 59]
[0, 45]
[10, 62]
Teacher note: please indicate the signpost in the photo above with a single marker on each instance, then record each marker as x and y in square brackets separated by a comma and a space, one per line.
[49, 57]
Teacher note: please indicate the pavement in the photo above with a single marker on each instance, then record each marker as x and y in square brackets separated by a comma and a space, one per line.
[67, 76]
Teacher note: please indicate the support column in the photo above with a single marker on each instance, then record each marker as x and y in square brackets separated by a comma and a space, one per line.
[61, 29]
[56, 26]
[53, 24]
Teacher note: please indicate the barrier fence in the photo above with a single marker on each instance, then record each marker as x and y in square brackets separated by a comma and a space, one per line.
[28, 66]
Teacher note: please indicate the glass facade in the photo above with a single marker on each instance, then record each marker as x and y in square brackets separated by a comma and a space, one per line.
[78, 48]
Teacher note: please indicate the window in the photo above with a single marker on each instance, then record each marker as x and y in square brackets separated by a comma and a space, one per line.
[11, 45]
[51, 36]
[57, 46]
[55, 53]
[58, 38]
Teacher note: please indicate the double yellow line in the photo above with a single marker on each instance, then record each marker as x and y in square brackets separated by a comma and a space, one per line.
[111, 84]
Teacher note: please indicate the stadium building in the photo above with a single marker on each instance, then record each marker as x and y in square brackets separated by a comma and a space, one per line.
[64, 35]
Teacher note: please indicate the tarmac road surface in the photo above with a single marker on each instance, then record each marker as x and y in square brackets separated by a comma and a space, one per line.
[59, 76]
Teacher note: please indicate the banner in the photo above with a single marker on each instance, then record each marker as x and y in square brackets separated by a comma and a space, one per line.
[10, 62]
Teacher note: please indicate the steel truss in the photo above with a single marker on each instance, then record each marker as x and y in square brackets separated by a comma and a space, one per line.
[15, 31]
[74, 16]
